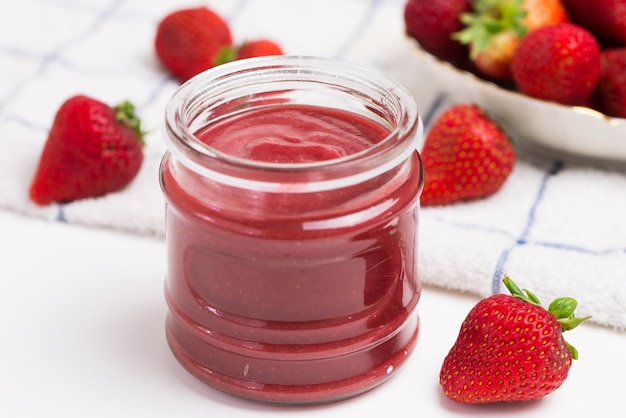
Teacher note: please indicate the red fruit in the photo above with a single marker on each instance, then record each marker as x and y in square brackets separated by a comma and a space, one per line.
[606, 19]
[465, 155]
[510, 348]
[258, 48]
[189, 41]
[494, 62]
[494, 28]
[432, 22]
[560, 63]
[610, 94]
[542, 13]
[92, 149]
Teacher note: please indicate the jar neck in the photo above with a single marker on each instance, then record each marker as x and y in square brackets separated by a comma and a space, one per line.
[246, 85]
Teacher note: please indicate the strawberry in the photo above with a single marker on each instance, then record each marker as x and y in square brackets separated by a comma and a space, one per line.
[510, 348]
[258, 48]
[606, 19]
[610, 94]
[559, 63]
[432, 22]
[249, 49]
[92, 149]
[494, 29]
[189, 41]
[466, 155]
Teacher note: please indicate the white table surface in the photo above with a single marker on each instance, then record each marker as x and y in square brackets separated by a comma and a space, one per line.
[82, 335]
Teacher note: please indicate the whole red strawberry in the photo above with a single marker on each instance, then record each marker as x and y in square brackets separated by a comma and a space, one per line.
[610, 94]
[189, 41]
[559, 63]
[494, 29]
[432, 23]
[606, 19]
[92, 149]
[510, 348]
[258, 48]
[466, 155]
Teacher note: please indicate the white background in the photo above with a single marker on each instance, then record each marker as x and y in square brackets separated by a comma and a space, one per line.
[82, 335]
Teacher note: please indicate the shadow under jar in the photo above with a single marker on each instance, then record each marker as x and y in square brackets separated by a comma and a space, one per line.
[292, 195]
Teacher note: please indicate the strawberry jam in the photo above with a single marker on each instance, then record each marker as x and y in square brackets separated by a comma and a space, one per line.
[291, 229]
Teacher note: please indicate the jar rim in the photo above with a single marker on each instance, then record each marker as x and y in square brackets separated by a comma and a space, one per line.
[280, 72]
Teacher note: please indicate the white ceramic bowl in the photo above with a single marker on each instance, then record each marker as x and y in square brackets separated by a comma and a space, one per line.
[570, 131]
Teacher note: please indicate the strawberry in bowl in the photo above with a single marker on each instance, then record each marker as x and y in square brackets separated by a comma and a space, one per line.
[582, 124]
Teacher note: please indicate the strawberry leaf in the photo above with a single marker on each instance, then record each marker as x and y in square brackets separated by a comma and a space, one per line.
[571, 323]
[573, 350]
[488, 19]
[563, 307]
[225, 55]
[525, 295]
[563, 310]
[125, 113]
[532, 297]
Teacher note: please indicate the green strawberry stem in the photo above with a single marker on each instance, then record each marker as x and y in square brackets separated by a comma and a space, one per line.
[488, 18]
[225, 55]
[125, 113]
[561, 308]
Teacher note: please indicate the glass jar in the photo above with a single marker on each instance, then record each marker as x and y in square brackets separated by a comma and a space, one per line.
[291, 282]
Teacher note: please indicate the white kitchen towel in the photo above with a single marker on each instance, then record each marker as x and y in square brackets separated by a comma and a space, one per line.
[556, 227]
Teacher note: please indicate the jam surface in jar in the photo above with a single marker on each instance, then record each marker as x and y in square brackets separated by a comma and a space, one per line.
[293, 134]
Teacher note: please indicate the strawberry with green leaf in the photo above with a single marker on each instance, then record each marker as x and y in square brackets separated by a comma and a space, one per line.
[92, 149]
[510, 348]
[494, 28]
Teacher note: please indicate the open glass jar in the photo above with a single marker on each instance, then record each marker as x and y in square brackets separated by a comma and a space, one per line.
[292, 280]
